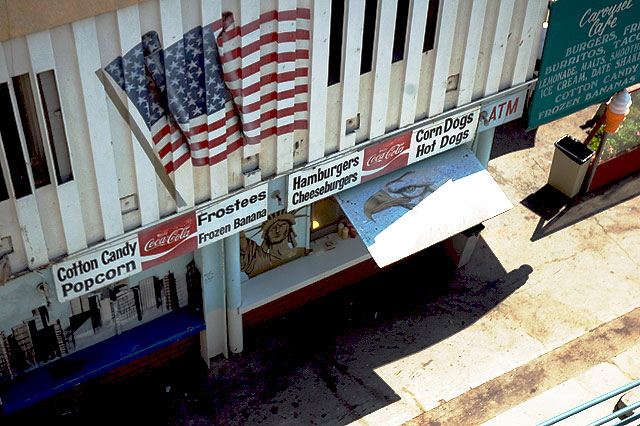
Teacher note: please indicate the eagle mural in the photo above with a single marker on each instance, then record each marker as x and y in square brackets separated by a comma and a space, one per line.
[421, 204]
[406, 191]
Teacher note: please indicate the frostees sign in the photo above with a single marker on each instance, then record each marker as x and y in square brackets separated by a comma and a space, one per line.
[592, 50]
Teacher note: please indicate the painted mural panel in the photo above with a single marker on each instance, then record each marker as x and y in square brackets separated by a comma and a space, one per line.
[281, 238]
[424, 203]
[36, 329]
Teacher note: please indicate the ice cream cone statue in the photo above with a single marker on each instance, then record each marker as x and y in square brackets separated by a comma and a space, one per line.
[617, 111]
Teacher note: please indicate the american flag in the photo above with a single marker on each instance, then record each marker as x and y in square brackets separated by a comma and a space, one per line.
[266, 67]
[220, 87]
[181, 96]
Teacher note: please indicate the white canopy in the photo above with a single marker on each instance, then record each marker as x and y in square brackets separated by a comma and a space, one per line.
[419, 205]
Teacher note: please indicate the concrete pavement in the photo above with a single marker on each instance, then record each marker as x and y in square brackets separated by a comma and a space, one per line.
[570, 332]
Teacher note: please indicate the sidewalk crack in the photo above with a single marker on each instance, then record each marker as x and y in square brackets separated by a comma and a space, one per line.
[616, 242]
[535, 160]
[415, 399]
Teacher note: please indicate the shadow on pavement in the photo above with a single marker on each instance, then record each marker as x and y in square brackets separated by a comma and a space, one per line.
[512, 136]
[316, 364]
[558, 211]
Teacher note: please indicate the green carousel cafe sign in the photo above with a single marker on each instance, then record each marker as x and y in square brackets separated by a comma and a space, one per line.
[592, 50]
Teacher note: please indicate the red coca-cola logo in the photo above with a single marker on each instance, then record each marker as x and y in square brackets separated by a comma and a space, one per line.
[166, 241]
[167, 235]
[380, 155]
[385, 156]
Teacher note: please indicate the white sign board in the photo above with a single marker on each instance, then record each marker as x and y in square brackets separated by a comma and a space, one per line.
[157, 244]
[310, 185]
[443, 135]
[503, 110]
[95, 270]
[235, 214]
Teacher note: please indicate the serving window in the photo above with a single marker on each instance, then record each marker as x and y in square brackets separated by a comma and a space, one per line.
[326, 217]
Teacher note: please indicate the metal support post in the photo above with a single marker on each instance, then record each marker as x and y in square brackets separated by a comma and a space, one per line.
[483, 144]
[234, 292]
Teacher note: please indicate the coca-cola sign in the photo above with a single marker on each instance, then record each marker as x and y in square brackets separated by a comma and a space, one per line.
[383, 158]
[167, 235]
[168, 240]
[386, 156]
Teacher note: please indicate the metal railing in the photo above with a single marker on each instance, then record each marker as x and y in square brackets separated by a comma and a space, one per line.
[598, 400]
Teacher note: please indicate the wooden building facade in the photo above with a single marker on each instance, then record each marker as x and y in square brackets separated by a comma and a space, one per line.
[147, 148]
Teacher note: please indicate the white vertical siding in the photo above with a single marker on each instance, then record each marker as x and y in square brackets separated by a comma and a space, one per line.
[50, 222]
[119, 135]
[31, 230]
[149, 13]
[415, 36]
[528, 41]
[491, 44]
[218, 173]
[266, 161]
[249, 12]
[191, 12]
[543, 9]
[129, 33]
[9, 227]
[63, 212]
[499, 47]
[284, 140]
[301, 135]
[95, 110]
[472, 52]
[424, 87]
[320, 25]
[352, 42]
[26, 207]
[443, 52]
[171, 32]
[69, 88]
[71, 211]
[383, 50]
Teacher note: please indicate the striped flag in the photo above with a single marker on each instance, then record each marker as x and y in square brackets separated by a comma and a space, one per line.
[180, 94]
[220, 87]
[266, 68]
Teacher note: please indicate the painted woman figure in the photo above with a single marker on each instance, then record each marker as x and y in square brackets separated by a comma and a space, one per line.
[278, 245]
